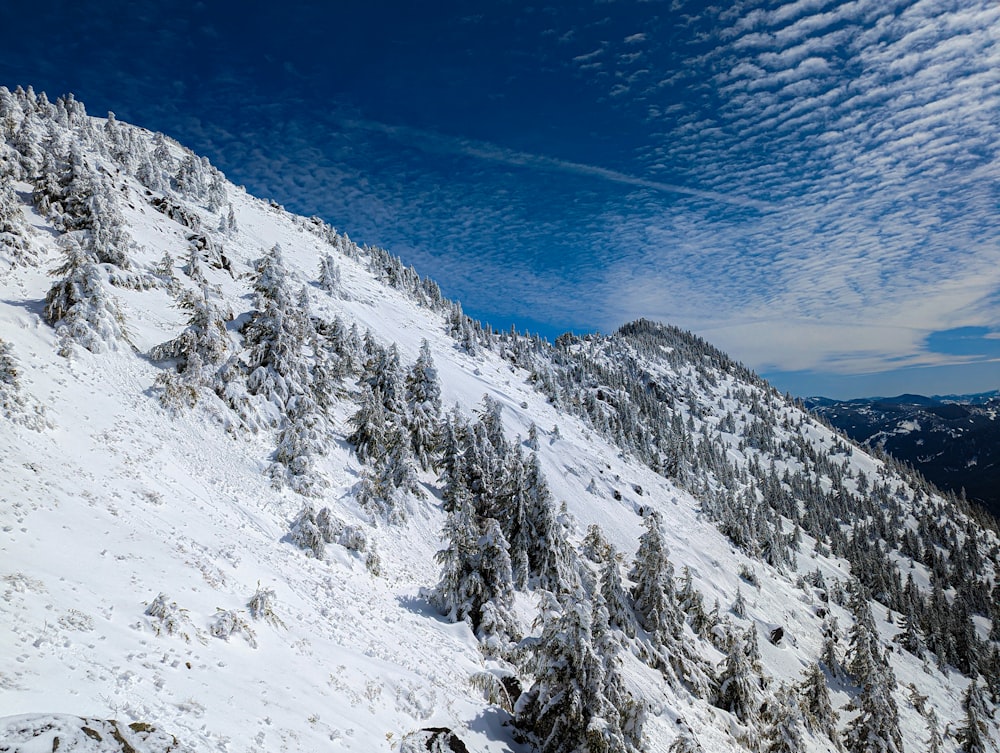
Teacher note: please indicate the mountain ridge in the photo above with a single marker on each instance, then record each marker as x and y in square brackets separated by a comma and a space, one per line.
[223, 485]
[951, 440]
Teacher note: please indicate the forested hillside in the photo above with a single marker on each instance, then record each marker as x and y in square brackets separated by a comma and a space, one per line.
[270, 490]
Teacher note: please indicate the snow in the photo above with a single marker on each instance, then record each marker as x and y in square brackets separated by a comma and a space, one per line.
[118, 501]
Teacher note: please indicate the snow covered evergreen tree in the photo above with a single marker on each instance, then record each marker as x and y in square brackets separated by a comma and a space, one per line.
[740, 683]
[15, 245]
[654, 593]
[79, 306]
[476, 582]
[566, 709]
[422, 395]
[783, 717]
[274, 335]
[817, 710]
[329, 274]
[618, 604]
[974, 733]
[876, 725]
[200, 349]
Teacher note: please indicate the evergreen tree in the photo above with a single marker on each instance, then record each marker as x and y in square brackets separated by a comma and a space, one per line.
[784, 724]
[653, 594]
[476, 583]
[496, 625]
[935, 743]
[740, 683]
[205, 335]
[454, 596]
[275, 335]
[391, 475]
[301, 439]
[551, 556]
[422, 395]
[616, 599]
[566, 709]
[329, 274]
[515, 502]
[14, 242]
[78, 305]
[814, 697]
[876, 726]
[974, 733]
[828, 653]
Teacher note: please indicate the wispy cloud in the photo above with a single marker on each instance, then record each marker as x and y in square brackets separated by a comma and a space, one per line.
[493, 153]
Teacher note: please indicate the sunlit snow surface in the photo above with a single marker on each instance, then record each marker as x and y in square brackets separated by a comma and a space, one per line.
[118, 501]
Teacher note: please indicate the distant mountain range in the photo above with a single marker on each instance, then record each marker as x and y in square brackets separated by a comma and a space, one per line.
[953, 440]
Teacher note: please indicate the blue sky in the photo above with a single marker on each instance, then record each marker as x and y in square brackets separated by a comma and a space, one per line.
[813, 186]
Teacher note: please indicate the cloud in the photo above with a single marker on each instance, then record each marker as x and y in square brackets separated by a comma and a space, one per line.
[439, 143]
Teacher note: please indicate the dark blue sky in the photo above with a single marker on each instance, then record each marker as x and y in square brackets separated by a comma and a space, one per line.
[813, 186]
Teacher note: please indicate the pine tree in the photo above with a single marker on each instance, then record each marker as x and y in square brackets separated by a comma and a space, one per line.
[79, 305]
[566, 709]
[551, 556]
[740, 684]
[653, 593]
[453, 597]
[828, 653]
[14, 242]
[391, 476]
[329, 274]
[935, 743]
[814, 697]
[422, 394]
[301, 439]
[275, 335]
[616, 599]
[476, 583]
[974, 733]
[496, 624]
[876, 726]
[784, 724]
[514, 500]
[205, 334]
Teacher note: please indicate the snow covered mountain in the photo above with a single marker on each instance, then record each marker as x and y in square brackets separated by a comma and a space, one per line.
[954, 441]
[266, 490]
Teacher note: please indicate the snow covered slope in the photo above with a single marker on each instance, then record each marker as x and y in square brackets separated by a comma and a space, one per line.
[193, 536]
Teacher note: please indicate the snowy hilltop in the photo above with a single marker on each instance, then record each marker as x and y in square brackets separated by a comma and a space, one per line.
[267, 490]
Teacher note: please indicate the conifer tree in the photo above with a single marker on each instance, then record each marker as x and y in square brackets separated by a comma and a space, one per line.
[783, 733]
[934, 740]
[974, 733]
[274, 335]
[514, 500]
[329, 274]
[876, 726]
[205, 335]
[616, 599]
[653, 594]
[476, 583]
[78, 305]
[14, 243]
[740, 683]
[453, 595]
[814, 697]
[301, 439]
[551, 556]
[566, 709]
[422, 394]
